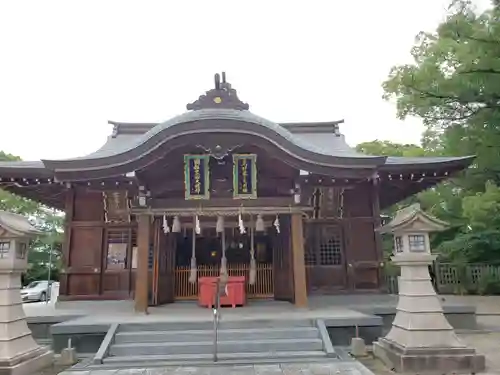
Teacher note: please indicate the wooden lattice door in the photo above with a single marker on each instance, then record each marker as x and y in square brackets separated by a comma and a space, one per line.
[324, 257]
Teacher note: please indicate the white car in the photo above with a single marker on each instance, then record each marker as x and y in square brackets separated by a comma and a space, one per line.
[36, 291]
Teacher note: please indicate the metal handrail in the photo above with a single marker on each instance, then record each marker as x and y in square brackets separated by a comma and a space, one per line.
[216, 314]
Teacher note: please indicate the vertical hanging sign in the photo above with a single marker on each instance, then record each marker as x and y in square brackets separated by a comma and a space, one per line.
[196, 177]
[244, 176]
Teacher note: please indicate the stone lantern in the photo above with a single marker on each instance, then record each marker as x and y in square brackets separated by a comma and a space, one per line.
[421, 339]
[19, 353]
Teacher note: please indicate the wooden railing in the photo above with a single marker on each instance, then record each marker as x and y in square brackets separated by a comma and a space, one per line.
[263, 287]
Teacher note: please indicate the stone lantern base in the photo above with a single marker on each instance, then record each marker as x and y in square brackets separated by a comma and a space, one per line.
[418, 360]
[28, 363]
[421, 338]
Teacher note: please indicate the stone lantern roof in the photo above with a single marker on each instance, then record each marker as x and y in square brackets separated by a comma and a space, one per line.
[17, 225]
[413, 218]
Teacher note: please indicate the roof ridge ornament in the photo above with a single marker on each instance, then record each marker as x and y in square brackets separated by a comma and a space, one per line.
[222, 96]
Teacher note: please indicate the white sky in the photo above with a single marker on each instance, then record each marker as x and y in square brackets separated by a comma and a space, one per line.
[66, 67]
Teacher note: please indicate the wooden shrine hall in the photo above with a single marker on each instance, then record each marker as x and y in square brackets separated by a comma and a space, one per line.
[216, 191]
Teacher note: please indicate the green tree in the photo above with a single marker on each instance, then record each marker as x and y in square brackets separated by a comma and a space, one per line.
[454, 86]
[45, 219]
[482, 210]
[11, 202]
[388, 148]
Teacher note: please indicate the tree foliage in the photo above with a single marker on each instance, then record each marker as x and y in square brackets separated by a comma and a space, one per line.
[49, 221]
[453, 85]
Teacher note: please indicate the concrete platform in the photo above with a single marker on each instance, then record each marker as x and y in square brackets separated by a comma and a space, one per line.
[86, 322]
[88, 331]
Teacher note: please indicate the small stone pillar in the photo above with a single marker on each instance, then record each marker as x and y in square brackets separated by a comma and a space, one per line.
[19, 353]
[421, 339]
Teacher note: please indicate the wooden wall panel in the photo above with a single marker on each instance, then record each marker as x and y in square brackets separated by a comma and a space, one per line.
[325, 279]
[83, 284]
[88, 206]
[362, 254]
[86, 247]
[358, 201]
[116, 282]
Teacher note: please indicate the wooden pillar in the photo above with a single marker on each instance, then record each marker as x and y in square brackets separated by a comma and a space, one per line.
[299, 268]
[141, 275]
[377, 236]
[66, 248]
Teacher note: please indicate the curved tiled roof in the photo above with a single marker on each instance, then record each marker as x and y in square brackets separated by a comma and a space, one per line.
[119, 150]
[314, 143]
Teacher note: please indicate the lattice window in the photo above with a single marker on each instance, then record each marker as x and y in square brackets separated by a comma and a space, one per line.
[323, 245]
[330, 246]
[4, 249]
[417, 242]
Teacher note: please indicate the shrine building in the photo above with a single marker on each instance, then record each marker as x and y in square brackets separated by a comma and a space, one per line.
[220, 190]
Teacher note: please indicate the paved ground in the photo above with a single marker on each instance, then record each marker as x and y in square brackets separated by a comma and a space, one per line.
[284, 369]
[318, 307]
[486, 342]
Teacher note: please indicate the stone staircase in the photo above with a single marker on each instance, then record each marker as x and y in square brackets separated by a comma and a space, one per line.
[239, 342]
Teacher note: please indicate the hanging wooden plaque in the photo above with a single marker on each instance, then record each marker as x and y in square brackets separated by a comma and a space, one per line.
[196, 177]
[245, 176]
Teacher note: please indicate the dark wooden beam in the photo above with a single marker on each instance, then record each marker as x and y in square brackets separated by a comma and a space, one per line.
[299, 268]
[141, 276]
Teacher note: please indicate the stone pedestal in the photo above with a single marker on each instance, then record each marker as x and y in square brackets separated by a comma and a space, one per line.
[421, 339]
[19, 353]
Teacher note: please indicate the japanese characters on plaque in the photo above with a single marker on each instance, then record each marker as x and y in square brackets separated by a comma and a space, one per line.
[245, 176]
[197, 176]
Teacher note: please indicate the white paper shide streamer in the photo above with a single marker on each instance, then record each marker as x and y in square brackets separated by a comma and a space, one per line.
[277, 224]
[241, 225]
[166, 228]
[176, 225]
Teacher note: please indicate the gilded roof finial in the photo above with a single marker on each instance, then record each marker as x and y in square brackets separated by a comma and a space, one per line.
[222, 96]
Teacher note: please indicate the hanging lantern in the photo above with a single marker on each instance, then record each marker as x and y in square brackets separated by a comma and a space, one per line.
[241, 225]
[219, 227]
[277, 224]
[259, 224]
[166, 228]
[176, 225]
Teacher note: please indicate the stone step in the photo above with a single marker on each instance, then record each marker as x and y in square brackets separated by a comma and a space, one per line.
[208, 325]
[150, 361]
[206, 347]
[223, 335]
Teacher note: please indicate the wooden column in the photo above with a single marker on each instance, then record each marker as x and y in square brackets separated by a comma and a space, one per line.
[377, 221]
[141, 275]
[299, 268]
[66, 248]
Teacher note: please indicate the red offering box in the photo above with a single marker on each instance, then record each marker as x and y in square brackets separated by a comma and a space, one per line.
[234, 296]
